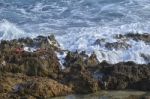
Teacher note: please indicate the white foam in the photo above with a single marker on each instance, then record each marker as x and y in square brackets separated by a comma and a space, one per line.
[10, 31]
[61, 57]
[30, 49]
[83, 39]
[81, 22]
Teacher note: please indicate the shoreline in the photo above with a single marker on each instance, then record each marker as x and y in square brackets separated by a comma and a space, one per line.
[31, 69]
[122, 94]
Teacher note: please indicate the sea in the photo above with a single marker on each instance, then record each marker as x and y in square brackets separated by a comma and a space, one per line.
[77, 24]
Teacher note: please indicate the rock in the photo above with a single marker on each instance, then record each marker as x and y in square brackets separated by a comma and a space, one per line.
[25, 87]
[124, 76]
[43, 62]
[92, 60]
[53, 41]
[81, 80]
[144, 37]
[35, 64]
[99, 42]
[117, 45]
[136, 36]
[36, 74]
[42, 88]
[143, 85]
[146, 57]
[1, 88]
[73, 57]
[114, 45]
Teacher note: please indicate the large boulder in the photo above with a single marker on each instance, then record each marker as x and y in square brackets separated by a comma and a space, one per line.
[80, 79]
[19, 86]
[42, 88]
[124, 76]
[41, 62]
[74, 57]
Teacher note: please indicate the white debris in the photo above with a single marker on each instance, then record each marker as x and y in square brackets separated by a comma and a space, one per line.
[30, 49]
[3, 63]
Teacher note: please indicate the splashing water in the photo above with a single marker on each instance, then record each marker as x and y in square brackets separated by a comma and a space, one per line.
[77, 24]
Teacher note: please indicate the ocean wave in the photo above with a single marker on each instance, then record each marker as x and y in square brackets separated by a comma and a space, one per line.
[77, 24]
[9, 31]
[82, 39]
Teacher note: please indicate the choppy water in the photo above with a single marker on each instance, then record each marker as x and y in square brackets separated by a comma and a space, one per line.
[78, 23]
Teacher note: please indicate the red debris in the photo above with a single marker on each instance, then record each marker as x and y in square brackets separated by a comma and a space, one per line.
[19, 50]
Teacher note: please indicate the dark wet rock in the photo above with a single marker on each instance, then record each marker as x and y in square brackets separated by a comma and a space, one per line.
[48, 41]
[124, 75]
[110, 76]
[19, 86]
[99, 42]
[53, 42]
[37, 68]
[42, 88]
[146, 57]
[41, 62]
[136, 36]
[114, 45]
[143, 85]
[80, 79]
[1, 88]
[117, 45]
[36, 64]
[27, 73]
[144, 37]
[73, 57]
[92, 60]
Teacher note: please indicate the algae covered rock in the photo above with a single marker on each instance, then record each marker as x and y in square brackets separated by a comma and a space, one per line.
[82, 58]
[19, 86]
[41, 62]
[136, 36]
[42, 88]
[81, 80]
[126, 75]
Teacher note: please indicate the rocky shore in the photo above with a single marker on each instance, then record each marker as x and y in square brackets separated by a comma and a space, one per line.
[31, 69]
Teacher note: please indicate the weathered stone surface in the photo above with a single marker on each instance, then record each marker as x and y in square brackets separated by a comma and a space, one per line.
[124, 76]
[42, 62]
[117, 45]
[136, 36]
[34, 72]
[75, 57]
[77, 76]
[18, 85]
[27, 73]
[81, 80]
